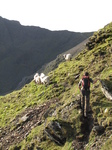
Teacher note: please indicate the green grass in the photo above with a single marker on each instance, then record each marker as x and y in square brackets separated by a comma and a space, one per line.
[107, 145]
[64, 86]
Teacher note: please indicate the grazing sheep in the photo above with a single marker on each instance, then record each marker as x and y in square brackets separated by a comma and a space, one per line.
[36, 75]
[37, 78]
[45, 80]
[42, 79]
[42, 75]
[67, 56]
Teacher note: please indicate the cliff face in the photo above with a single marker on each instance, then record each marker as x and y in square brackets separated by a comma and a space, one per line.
[24, 49]
[49, 117]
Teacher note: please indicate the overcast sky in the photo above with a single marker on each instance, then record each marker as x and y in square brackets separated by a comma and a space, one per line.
[72, 15]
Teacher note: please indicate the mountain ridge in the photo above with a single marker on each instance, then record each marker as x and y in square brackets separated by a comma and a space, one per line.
[24, 49]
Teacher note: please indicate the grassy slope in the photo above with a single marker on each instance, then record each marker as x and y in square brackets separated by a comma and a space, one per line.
[63, 86]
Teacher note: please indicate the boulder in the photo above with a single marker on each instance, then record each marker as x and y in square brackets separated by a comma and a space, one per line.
[98, 129]
[55, 133]
[105, 90]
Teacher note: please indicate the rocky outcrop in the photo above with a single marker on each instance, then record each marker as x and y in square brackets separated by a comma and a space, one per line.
[105, 90]
[55, 133]
[98, 129]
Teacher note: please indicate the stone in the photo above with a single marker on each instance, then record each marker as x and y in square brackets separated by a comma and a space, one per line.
[98, 129]
[105, 91]
[24, 118]
[55, 133]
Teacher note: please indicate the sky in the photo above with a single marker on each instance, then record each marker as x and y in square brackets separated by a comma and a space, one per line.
[71, 15]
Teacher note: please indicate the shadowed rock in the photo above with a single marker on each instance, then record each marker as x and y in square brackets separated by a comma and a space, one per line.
[105, 90]
[55, 133]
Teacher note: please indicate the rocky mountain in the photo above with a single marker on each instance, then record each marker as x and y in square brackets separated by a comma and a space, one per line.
[49, 117]
[25, 49]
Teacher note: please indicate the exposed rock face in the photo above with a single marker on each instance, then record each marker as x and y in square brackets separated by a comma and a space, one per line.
[105, 90]
[54, 132]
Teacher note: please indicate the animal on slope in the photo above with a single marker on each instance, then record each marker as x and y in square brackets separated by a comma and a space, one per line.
[44, 79]
[37, 78]
[67, 56]
[41, 79]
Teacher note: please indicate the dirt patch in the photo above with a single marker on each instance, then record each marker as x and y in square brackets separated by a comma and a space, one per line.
[23, 124]
[86, 127]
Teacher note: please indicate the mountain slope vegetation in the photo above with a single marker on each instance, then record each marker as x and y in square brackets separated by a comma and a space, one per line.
[54, 64]
[49, 117]
[24, 49]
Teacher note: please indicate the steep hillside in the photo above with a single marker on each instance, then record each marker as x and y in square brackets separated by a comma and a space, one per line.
[24, 49]
[53, 64]
[40, 117]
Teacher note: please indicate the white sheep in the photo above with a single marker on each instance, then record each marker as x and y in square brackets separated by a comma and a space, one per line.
[67, 56]
[42, 75]
[37, 78]
[36, 75]
[42, 79]
[45, 80]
